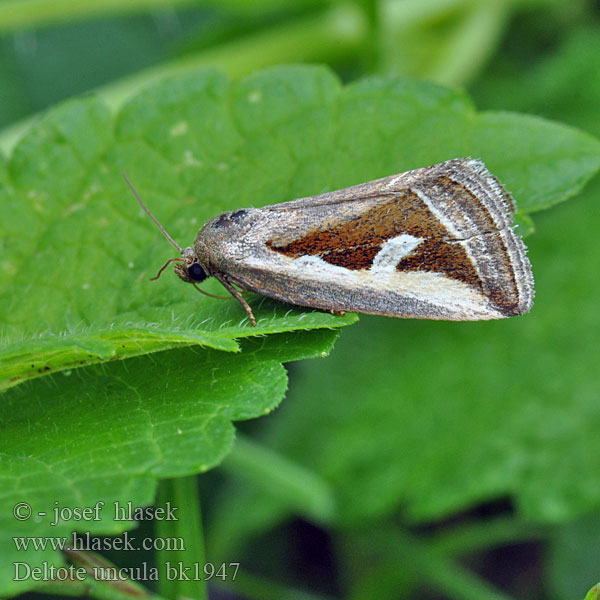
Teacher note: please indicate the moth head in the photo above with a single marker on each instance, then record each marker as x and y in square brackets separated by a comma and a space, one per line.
[188, 266]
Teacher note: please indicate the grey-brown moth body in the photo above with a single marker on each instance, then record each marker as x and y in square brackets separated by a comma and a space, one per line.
[433, 243]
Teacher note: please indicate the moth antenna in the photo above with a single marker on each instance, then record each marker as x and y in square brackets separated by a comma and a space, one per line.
[156, 221]
[210, 295]
[165, 266]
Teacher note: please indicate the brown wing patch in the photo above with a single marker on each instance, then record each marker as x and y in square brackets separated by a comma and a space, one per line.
[354, 243]
[439, 256]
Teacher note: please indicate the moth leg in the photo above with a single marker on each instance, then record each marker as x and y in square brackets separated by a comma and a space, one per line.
[340, 313]
[241, 288]
[238, 296]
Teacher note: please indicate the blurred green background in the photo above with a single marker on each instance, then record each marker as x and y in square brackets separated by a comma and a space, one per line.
[465, 456]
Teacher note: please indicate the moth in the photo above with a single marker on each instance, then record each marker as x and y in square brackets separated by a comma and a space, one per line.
[432, 243]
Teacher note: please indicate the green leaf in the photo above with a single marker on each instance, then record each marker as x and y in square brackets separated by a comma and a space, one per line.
[563, 84]
[77, 253]
[429, 419]
[111, 430]
[542, 168]
[594, 593]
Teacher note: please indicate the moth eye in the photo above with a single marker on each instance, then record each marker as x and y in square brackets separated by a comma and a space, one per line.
[196, 272]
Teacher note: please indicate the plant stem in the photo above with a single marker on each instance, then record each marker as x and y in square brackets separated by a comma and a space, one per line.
[29, 14]
[254, 587]
[182, 494]
[323, 36]
[471, 45]
[443, 574]
[405, 561]
[295, 485]
[473, 537]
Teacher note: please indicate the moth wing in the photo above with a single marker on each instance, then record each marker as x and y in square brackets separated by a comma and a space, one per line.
[434, 243]
[462, 168]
